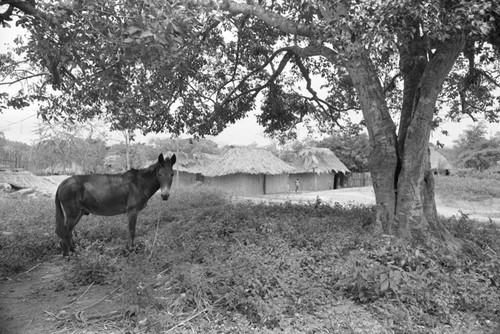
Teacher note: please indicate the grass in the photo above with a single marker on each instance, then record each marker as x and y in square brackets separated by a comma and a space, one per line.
[468, 187]
[247, 268]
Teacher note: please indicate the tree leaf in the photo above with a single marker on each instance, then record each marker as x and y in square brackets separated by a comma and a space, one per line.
[146, 33]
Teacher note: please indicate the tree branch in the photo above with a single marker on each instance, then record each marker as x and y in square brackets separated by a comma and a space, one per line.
[390, 86]
[270, 18]
[256, 90]
[488, 77]
[309, 51]
[21, 79]
[27, 7]
[305, 75]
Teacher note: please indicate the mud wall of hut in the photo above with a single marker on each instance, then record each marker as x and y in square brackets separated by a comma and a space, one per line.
[249, 184]
[275, 184]
[238, 184]
[185, 179]
[312, 181]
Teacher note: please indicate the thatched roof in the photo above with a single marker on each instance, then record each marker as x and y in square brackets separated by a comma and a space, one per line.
[190, 163]
[438, 161]
[317, 160]
[247, 160]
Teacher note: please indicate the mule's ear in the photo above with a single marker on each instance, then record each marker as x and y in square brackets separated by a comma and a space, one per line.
[160, 159]
[173, 159]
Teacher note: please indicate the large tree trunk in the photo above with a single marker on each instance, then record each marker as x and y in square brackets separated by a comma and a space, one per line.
[400, 167]
[416, 215]
[383, 158]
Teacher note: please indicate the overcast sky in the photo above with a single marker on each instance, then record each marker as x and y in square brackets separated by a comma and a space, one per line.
[22, 125]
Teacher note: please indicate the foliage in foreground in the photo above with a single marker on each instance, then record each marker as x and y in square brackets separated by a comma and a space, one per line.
[278, 268]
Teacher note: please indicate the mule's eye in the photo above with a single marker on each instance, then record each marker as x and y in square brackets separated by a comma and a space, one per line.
[172, 175]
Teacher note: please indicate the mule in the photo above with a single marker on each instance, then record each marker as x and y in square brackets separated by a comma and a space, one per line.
[109, 195]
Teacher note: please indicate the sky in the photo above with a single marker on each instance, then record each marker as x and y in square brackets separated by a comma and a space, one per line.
[22, 125]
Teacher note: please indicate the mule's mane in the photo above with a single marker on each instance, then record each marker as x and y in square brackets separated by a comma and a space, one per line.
[150, 168]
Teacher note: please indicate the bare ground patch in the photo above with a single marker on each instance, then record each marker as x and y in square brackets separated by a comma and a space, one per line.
[42, 301]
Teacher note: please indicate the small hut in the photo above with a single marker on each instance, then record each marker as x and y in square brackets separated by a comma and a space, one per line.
[317, 168]
[189, 167]
[439, 164]
[248, 171]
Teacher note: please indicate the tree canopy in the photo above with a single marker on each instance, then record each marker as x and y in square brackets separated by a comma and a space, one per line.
[139, 64]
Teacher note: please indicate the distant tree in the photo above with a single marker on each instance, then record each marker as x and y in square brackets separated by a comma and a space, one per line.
[479, 159]
[14, 154]
[474, 137]
[140, 155]
[3, 141]
[186, 145]
[66, 144]
[351, 146]
[474, 150]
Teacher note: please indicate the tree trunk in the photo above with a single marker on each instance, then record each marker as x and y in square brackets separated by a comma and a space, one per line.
[382, 135]
[127, 149]
[416, 215]
[400, 167]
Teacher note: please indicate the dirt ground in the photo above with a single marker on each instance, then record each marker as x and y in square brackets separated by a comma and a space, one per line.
[40, 301]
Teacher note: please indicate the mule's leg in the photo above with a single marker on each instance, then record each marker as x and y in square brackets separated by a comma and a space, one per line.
[132, 219]
[71, 222]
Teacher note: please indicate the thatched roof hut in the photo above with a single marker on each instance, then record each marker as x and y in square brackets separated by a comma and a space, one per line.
[439, 162]
[248, 171]
[317, 160]
[192, 163]
[246, 160]
[316, 168]
[189, 162]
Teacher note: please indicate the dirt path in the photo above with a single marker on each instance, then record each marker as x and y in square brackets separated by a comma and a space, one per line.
[483, 211]
[41, 301]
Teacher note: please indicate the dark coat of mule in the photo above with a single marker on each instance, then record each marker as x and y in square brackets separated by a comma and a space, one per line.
[109, 195]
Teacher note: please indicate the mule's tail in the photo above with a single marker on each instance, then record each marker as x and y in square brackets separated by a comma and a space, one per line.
[60, 220]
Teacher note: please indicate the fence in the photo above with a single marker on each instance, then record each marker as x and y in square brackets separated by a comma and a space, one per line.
[14, 160]
[358, 180]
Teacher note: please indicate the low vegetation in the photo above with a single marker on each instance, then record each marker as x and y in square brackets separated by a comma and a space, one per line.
[204, 264]
[469, 185]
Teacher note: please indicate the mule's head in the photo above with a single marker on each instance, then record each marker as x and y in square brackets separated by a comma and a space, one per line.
[165, 175]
